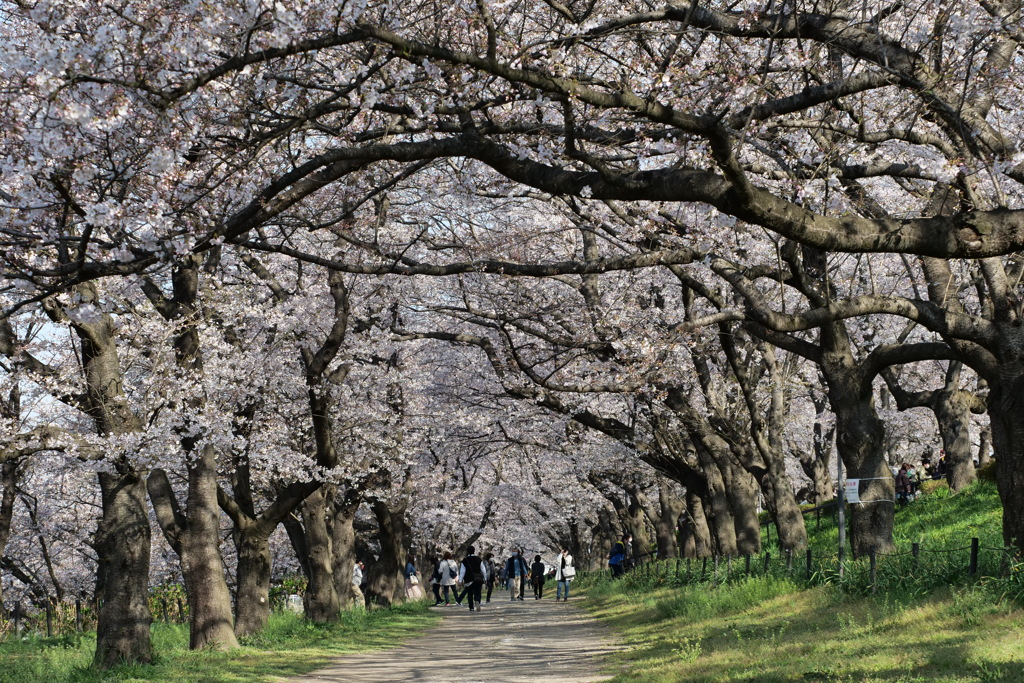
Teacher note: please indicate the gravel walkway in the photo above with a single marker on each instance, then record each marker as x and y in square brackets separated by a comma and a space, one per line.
[505, 642]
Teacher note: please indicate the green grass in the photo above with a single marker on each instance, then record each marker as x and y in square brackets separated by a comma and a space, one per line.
[288, 647]
[927, 620]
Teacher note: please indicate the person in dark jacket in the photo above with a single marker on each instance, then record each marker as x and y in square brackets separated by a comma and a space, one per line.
[472, 574]
[617, 557]
[537, 577]
[902, 485]
[517, 570]
[491, 572]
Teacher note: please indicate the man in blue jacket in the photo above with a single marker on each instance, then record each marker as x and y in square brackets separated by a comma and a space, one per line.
[617, 558]
[516, 570]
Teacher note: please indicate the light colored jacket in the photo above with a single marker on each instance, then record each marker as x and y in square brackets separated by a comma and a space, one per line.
[558, 566]
[446, 576]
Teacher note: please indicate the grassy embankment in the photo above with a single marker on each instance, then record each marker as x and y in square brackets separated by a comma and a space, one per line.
[288, 647]
[924, 620]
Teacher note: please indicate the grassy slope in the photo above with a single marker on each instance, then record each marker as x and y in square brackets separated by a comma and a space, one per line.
[927, 622]
[289, 647]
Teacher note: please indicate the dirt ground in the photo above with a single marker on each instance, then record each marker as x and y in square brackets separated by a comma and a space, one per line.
[505, 642]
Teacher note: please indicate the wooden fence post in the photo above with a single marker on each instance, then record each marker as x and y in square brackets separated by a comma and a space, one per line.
[789, 560]
[748, 564]
[49, 619]
[78, 615]
[874, 569]
[17, 618]
[767, 560]
[972, 569]
[808, 564]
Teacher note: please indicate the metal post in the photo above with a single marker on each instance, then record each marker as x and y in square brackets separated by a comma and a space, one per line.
[748, 564]
[808, 564]
[78, 615]
[841, 516]
[973, 568]
[767, 559]
[49, 619]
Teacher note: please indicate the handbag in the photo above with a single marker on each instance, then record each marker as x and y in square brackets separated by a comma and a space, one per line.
[568, 572]
[414, 580]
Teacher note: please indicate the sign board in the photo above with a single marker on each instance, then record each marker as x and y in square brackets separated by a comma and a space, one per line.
[852, 492]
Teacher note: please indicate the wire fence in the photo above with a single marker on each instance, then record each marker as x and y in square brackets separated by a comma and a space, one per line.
[914, 568]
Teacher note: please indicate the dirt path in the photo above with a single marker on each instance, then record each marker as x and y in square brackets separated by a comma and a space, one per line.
[505, 642]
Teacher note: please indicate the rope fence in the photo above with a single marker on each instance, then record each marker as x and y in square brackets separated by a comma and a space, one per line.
[971, 562]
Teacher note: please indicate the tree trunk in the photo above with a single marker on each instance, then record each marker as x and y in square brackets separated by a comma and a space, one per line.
[741, 490]
[985, 447]
[122, 546]
[789, 520]
[718, 510]
[953, 416]
[386, 583]
[670, 507]
[696, 537]
[343, 545]
[321, 601]
[195, 537]
[252, 598]
[859, 437]
[1008, 446]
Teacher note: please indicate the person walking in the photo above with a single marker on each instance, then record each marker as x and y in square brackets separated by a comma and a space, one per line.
[617, 557]
[565, 572]
[449, 573]
[537, 571]
[435, 581]
[516, 572]
[472, 574]
[490, 572]
[357, 582]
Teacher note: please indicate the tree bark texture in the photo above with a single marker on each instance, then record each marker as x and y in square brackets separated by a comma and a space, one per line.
[321, 601]
[122, 545]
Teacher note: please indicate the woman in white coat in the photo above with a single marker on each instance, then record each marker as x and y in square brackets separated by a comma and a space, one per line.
[449, 573]
[564, 574]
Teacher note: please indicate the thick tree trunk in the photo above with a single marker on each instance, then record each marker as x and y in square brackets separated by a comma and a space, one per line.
[343, 545]
[321, 601]
[386, 584]
[210, 621]
[122, 546]
[123, 538]
[816, 464]
[719, 511]
[696, 537]
[741, 490]
[252, 598]
[670, 507]
[953, 416]
[789, 520]
[859, 437]
[1005, 413]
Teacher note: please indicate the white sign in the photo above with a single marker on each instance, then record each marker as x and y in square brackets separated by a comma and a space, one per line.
[853, 490]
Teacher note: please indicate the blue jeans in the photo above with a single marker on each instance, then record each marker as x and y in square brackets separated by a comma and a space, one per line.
[558, 591]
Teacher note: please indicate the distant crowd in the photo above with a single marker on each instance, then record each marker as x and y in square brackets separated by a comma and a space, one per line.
[472, 579]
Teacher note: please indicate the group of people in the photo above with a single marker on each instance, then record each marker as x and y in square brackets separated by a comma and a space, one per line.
[474, 574]
[908, 483]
